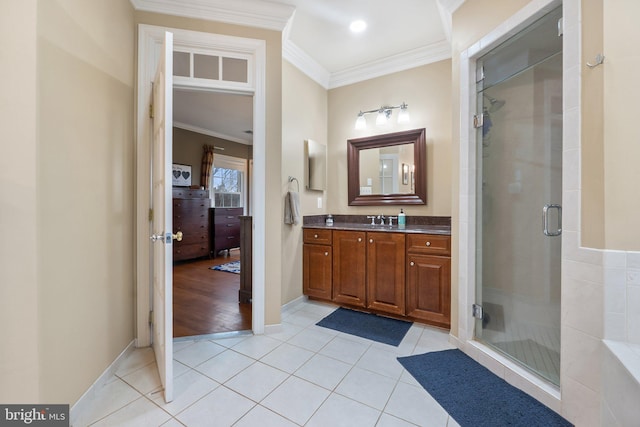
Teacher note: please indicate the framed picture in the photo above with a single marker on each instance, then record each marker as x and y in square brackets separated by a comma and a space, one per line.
[181, 175]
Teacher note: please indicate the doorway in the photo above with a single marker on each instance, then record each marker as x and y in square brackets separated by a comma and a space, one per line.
[519, 197]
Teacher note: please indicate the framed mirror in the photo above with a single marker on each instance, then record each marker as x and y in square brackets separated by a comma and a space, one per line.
[389, 169]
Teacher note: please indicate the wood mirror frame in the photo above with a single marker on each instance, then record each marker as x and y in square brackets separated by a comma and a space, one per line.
[415, 137]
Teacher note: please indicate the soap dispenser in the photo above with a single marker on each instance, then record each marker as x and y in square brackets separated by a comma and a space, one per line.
[402, 219]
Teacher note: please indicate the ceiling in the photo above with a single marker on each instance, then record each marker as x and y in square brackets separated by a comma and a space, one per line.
[317, 40]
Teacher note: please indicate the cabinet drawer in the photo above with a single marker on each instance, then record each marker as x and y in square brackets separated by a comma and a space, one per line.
[235, 212]
[429, 244]
[224, 230]
[187, 193]
[190, 224]
[191, 237]
[189, 206]
[181, 252]
[317, 236]
[231, 220]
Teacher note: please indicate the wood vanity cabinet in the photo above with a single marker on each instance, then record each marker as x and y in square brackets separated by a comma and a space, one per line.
[317, 256]
[429, 278]
[349, 267]
[385, 272]
[190, 215]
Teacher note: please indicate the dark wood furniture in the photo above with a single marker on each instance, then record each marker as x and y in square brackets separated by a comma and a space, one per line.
[317, 263]
[225, 229]
[246, 260]
[191, 216]
[402, 274]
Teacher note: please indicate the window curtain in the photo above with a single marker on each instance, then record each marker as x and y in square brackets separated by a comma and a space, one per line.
[207, 166]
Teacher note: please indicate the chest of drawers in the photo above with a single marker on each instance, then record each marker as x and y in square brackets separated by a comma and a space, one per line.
[225, 229]
[191, 216]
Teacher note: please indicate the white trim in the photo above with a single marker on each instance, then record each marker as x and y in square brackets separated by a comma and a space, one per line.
[212, 133]
[80, 409]
[273, 329]
[392, 64]
[305, 63]
[450, 5]
[148, 38]
[250, 13]
[294, 305]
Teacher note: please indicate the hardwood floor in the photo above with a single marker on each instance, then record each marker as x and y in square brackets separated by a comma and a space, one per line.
[205, 301]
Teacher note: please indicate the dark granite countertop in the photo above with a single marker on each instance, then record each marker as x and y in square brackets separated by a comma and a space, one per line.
[415, 224]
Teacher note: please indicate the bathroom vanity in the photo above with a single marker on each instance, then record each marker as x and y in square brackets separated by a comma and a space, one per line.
[404, 272]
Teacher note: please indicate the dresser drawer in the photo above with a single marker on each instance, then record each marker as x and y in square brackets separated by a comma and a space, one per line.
[181, 251]
[192, 237]
[317, 236]
[188, 206]
[188, 193]
[234, 212]
[429, 244]
[182, 223]
[227, 229]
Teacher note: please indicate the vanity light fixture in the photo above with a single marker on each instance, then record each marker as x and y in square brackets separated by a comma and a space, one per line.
[383, 115]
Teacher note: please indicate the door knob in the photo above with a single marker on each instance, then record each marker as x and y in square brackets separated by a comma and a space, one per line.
[177, 236]
[157, 238]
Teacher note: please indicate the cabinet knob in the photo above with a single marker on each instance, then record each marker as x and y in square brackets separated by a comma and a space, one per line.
[359, 239]
[315, 236]
[412, 263]
[326, 254]
[370, 240]
[428, 243]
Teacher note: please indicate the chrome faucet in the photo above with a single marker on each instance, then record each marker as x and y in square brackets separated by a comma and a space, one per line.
[391, 218]
[373, 219]
[381, 218]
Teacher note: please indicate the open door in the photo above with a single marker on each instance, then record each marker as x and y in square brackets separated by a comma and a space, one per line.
[161, 179]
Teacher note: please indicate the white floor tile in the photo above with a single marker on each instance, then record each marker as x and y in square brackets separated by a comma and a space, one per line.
[303, 318]
[173, 423]
[257, 346]
[287, 357]
[113, 396]
[339, 411]
[415, 405]
[367, 387]
[382, 362]
[225, 365]
[387, 420]
[408, 343]
[288, 331]
[221, 407]
[263, 417]
[187, 389]
[323, 371]
[311, 339]
[140, 412]
[139, 357]
[257, 381]
[452, 423]
[345, 350]
[230, 342]
[181, 345]
[145, 379]
[198, 353]
[296, 399]
[179, 369]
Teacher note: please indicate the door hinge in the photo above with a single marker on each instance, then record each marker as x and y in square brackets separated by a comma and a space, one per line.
[151, 317]
[479, 74]
[477, 312]
[560, 27]
[478, 120]
[150, 214]
[151, 111]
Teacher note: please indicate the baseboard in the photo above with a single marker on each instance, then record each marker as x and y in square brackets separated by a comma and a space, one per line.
[79, 409]
[292, 305]
[273, 329]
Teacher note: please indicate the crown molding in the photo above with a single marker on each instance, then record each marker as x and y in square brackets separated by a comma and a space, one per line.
[251, 13]
[209, 132]
[305, 63]
[392, 64]
[450, 5]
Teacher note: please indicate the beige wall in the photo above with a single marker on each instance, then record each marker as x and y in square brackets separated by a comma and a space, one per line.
[621, 131]
[427, 91]
[274, 205]
[304, 116]
[187, 150]
[85, 194]
[19, 370]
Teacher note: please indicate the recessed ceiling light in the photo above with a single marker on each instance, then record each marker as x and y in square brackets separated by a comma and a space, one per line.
[358, 26]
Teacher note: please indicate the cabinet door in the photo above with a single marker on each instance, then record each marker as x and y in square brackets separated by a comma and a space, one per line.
[429, 289]
[385, 272]
[349, 264]
[316, 266]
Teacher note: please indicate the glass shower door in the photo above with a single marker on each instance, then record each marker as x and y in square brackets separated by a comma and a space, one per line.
[520, 197]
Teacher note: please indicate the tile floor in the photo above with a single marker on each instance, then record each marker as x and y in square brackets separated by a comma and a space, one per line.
[304, 375]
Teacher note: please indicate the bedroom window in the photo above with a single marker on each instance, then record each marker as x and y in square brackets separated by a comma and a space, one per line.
[228, 182]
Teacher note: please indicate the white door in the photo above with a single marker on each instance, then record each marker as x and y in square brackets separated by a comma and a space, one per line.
[162, 326]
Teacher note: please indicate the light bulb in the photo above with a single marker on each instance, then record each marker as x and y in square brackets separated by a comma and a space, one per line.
[403, 115]
[361, 122]
[381, 118]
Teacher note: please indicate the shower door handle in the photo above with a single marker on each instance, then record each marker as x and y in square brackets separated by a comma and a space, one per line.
[545, 220]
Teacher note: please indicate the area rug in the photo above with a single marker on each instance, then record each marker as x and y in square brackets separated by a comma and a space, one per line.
[473, 395]
[367, 325]
[230, 267]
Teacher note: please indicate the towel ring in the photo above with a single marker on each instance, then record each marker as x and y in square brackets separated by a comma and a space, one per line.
[291, 179]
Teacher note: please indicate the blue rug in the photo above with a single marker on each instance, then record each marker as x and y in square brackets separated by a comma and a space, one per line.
[230, 267]
[366, 325]
[473, 395]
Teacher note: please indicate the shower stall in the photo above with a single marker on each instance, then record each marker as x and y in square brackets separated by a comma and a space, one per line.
[519, 197]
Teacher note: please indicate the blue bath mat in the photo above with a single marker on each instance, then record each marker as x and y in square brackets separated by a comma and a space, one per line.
[473, 395]
[367, 325]
[230, 267]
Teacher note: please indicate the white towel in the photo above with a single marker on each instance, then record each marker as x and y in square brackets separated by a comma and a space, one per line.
[292, 208]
